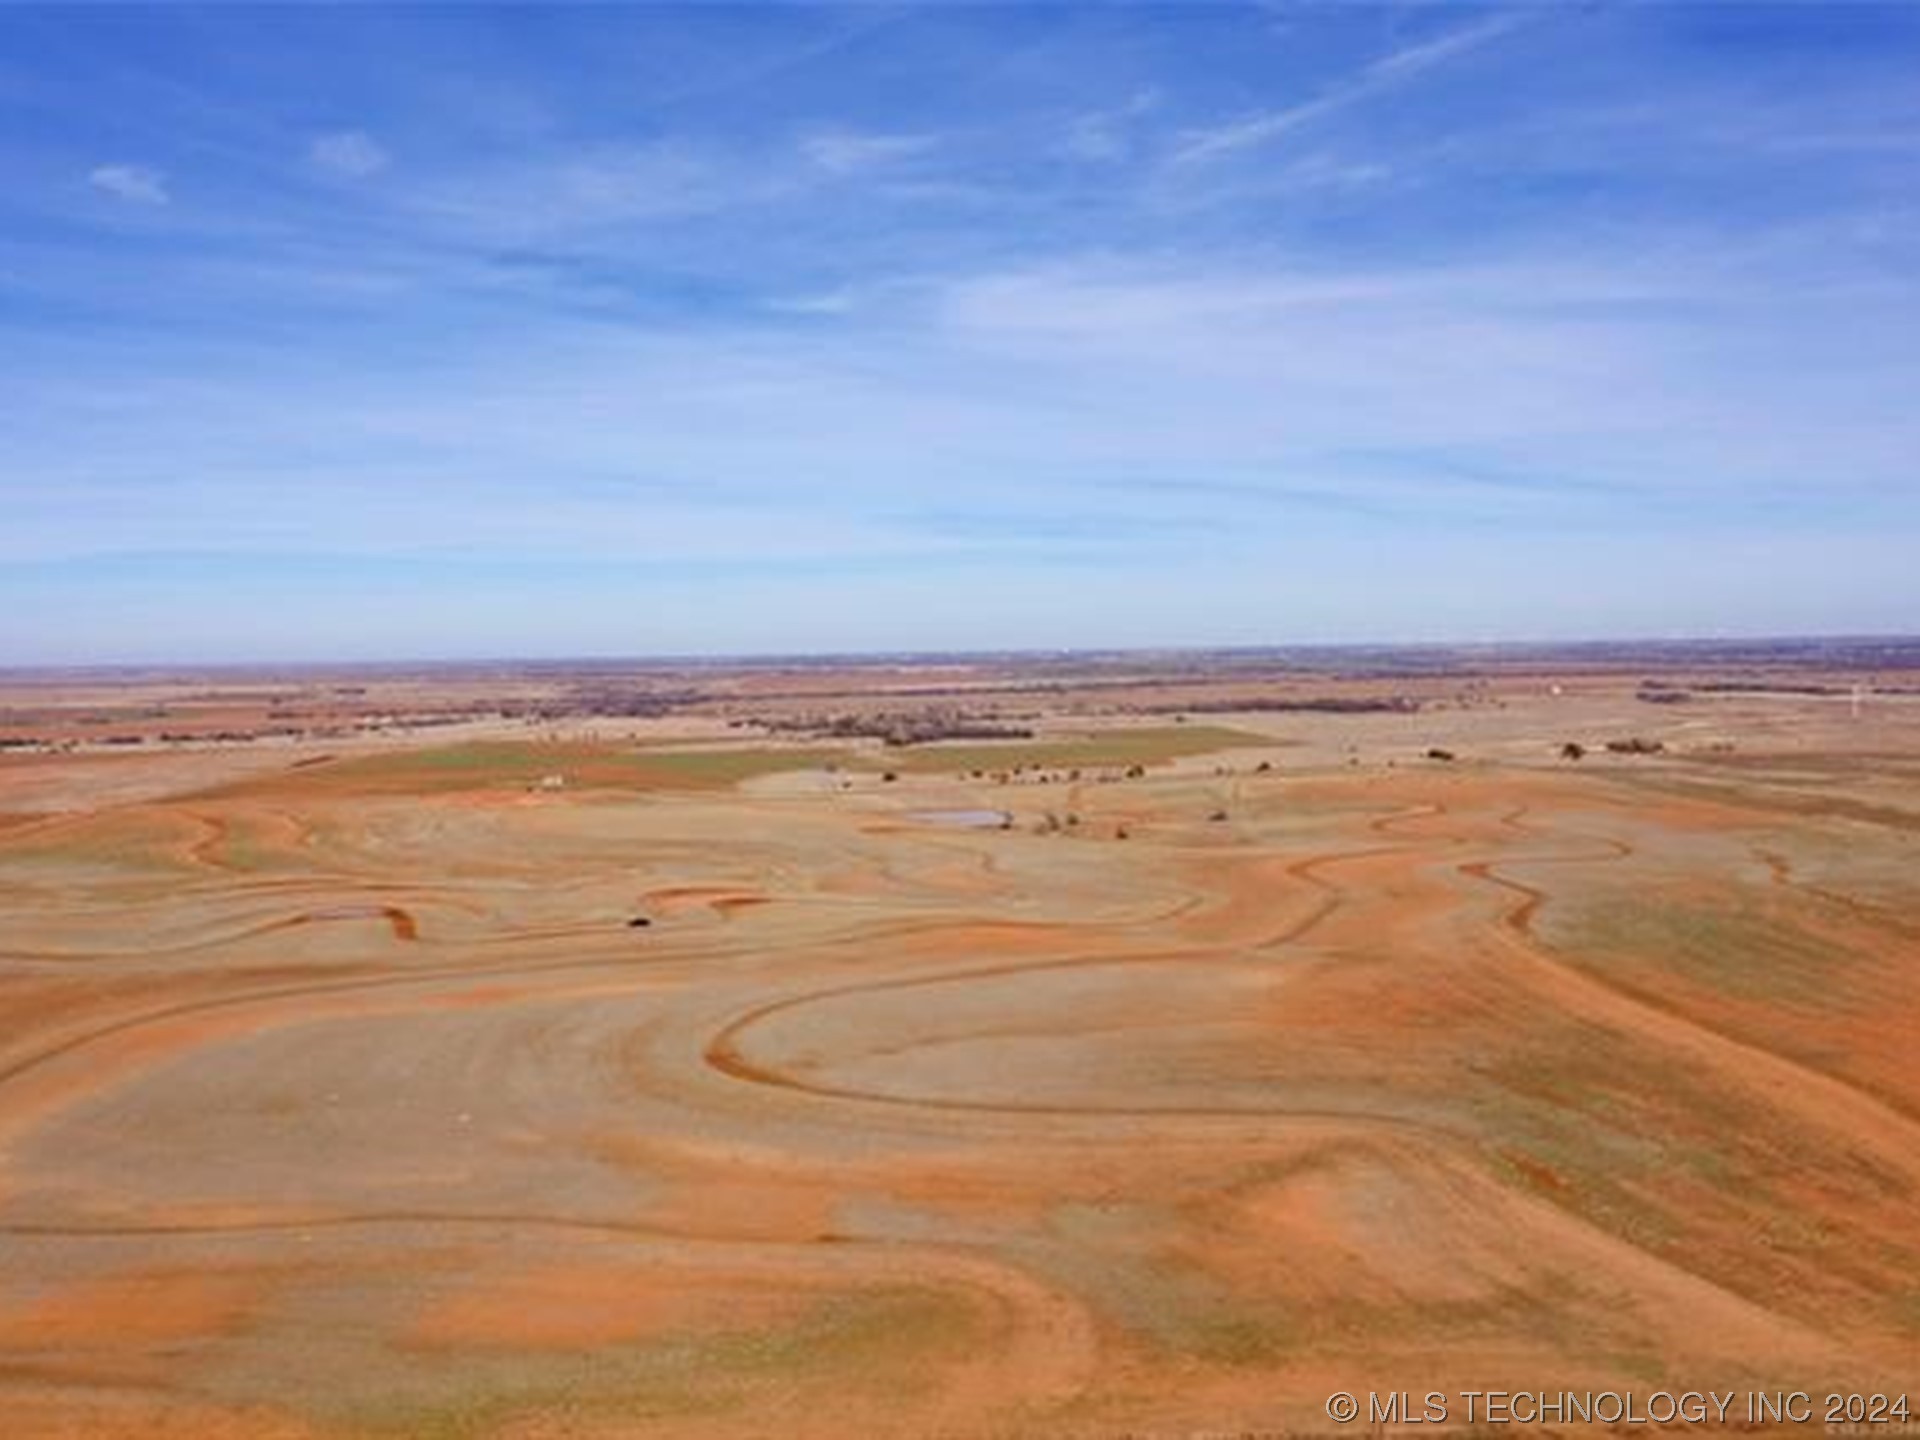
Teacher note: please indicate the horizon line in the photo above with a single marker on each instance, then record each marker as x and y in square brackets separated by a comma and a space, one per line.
[989, 653]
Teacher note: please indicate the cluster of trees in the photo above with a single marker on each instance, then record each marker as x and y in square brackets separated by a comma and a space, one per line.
[1310, 704]
[1636, 745]
[1632, 745]
[902, 729]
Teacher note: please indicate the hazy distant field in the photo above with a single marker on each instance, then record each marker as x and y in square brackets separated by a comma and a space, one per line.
[1260, 1056]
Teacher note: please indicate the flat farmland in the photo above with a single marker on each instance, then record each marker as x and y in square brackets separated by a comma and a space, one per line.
[1137, 1076]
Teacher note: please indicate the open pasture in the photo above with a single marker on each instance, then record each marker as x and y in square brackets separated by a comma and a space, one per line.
[343, 1096]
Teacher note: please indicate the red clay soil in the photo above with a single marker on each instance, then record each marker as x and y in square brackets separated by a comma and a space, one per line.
[326, 1110]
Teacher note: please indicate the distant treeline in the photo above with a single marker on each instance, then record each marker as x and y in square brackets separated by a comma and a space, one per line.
[1664, 692]
[900, 729]
[1323, 705]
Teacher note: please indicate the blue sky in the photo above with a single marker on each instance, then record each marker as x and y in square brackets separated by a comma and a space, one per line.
[395, 333]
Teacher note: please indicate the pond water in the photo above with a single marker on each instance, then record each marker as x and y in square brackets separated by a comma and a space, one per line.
[965, 819]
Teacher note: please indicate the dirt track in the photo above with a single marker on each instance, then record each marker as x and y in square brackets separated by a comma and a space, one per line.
[329, 1110]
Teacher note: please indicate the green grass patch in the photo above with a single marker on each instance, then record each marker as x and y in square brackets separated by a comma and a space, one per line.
[129, 842]
[876, 1340]
[521, 765]
[1734, 948]
[1905, 1311]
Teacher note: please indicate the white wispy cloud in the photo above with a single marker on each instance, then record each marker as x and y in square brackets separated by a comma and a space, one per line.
[828, 302]
[1104, 136]
[1389, 70]
[577, 194]
[353, 154]
[849, 152]
[1407, 390]
[136, 184]
[851, 343]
